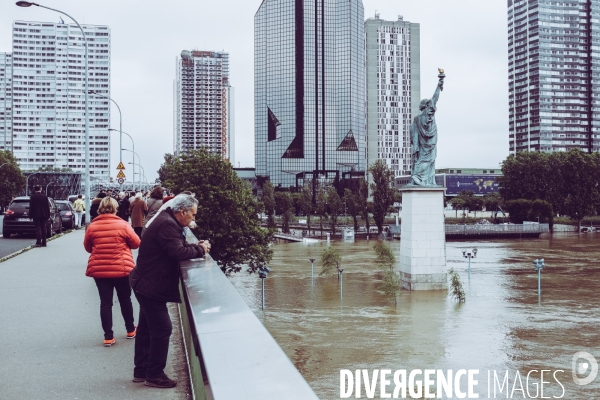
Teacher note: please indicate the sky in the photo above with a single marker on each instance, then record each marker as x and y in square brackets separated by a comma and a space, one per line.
[467, 38]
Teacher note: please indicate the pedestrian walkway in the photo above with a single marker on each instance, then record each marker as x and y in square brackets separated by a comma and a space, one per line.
[51, 338]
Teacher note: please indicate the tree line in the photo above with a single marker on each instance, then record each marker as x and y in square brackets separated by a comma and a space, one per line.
[330, 203]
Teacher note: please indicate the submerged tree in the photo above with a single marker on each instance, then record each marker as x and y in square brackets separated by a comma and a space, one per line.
[268, 199]
[227, 211]
[335, 206]
[330, 259]
[456, 287]
[383, 192]
[387, 260]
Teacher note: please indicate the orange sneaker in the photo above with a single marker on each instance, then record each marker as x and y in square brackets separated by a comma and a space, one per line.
[109, 342]
[131, 335]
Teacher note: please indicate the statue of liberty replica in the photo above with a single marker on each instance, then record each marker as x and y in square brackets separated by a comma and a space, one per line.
[423, 138]
[423, 244]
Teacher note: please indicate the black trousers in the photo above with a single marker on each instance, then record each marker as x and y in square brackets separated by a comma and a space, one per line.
[40, 230]
[138, 230]
[106, 287]
[152, 340]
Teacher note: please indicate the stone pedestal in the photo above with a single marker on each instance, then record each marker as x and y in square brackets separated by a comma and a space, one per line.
[423, 239]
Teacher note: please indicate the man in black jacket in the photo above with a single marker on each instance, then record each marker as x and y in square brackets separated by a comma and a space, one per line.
[155, 281]
[39, 210]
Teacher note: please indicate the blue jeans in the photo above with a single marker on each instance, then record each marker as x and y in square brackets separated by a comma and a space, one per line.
[152, 340]
[106, 286]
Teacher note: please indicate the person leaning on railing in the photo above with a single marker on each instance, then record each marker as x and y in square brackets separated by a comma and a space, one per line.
[155, 281]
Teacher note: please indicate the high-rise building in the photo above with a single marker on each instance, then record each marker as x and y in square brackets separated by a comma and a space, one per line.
[6, 101]
[309, 90]
[48, 103]
[203, 114]
[554, 72]
[393, 90]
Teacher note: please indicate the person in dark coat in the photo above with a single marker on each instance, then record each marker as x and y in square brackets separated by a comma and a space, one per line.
[95, 205]
[39, 210]
[155, 281]
[123, 211]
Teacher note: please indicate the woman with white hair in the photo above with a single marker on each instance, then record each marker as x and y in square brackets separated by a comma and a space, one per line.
[123, 211]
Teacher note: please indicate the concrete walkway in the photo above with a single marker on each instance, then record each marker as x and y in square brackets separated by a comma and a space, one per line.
[51, 337]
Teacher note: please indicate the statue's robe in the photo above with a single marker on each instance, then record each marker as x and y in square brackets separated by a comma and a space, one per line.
[424, 141]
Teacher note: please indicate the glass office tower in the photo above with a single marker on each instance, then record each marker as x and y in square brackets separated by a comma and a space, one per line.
[309, 90]
[553, 72]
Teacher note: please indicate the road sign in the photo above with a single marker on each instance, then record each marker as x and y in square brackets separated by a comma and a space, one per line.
[121, 181]
[121, 166]
[121, 175]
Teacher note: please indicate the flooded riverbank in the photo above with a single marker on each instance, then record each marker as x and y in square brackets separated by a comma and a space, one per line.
[500, 327]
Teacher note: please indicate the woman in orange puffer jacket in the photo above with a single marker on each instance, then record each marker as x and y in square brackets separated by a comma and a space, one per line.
[109, 239]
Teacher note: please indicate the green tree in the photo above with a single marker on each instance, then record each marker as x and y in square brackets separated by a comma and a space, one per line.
[321, 207]
[268, 199]
[458, 203]
[335, 206]
[363, 203]
[54, 169]
[306, 204]
[492, 203]
[227, 212]
[352, 206]
[387, 260]
[330, 258]
[456, 288]
[527, 176]
[383, 192]
[12, 180]
[284, 207]
[581, 179]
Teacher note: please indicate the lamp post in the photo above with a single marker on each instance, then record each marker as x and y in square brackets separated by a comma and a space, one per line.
[469, 256]
[120, 123]
[4, 164]
[27, 184]
[132, 155]
[340, 274]
[263, 272]
[538, 265]
[312, 265]
[49, 183]
[87, 119]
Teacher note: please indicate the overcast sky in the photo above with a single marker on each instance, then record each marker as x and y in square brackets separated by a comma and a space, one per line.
[468, 38]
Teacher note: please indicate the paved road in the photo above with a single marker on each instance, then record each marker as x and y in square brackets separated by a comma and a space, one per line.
[51, 335]
[14, 243]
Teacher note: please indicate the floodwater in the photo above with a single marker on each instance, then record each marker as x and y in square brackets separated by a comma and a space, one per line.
[501, 326]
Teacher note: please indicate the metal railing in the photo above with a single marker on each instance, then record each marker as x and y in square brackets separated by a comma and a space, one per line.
[496, 229]
[230, 353]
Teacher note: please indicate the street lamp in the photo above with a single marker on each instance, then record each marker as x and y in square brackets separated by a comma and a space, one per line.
[312, 265]
[340, 274]
[4, 164]
[263, 272]
[47, 187]
[538, 265]
[132, 156]
[469, 256]
[87, 114]
[27, 184]
[120, 122]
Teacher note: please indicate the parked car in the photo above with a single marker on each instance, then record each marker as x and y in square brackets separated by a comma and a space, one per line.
[67, 214]
[17, 220]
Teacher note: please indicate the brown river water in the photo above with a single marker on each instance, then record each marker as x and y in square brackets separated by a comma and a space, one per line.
[501, 327]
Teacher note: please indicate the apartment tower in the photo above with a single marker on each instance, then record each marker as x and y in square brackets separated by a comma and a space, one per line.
[393, 90]
[204, 104]
[554, 75]
[6, 101]
[47, 107]
[309, 90]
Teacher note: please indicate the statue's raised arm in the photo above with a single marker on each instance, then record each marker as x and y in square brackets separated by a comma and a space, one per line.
[440, 87]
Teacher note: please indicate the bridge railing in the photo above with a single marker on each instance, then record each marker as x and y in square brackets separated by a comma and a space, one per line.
[482, 229]
[230, 353]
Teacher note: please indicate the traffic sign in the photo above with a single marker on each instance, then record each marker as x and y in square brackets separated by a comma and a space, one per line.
[121, 175]
[121, 181]
[121, 166]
